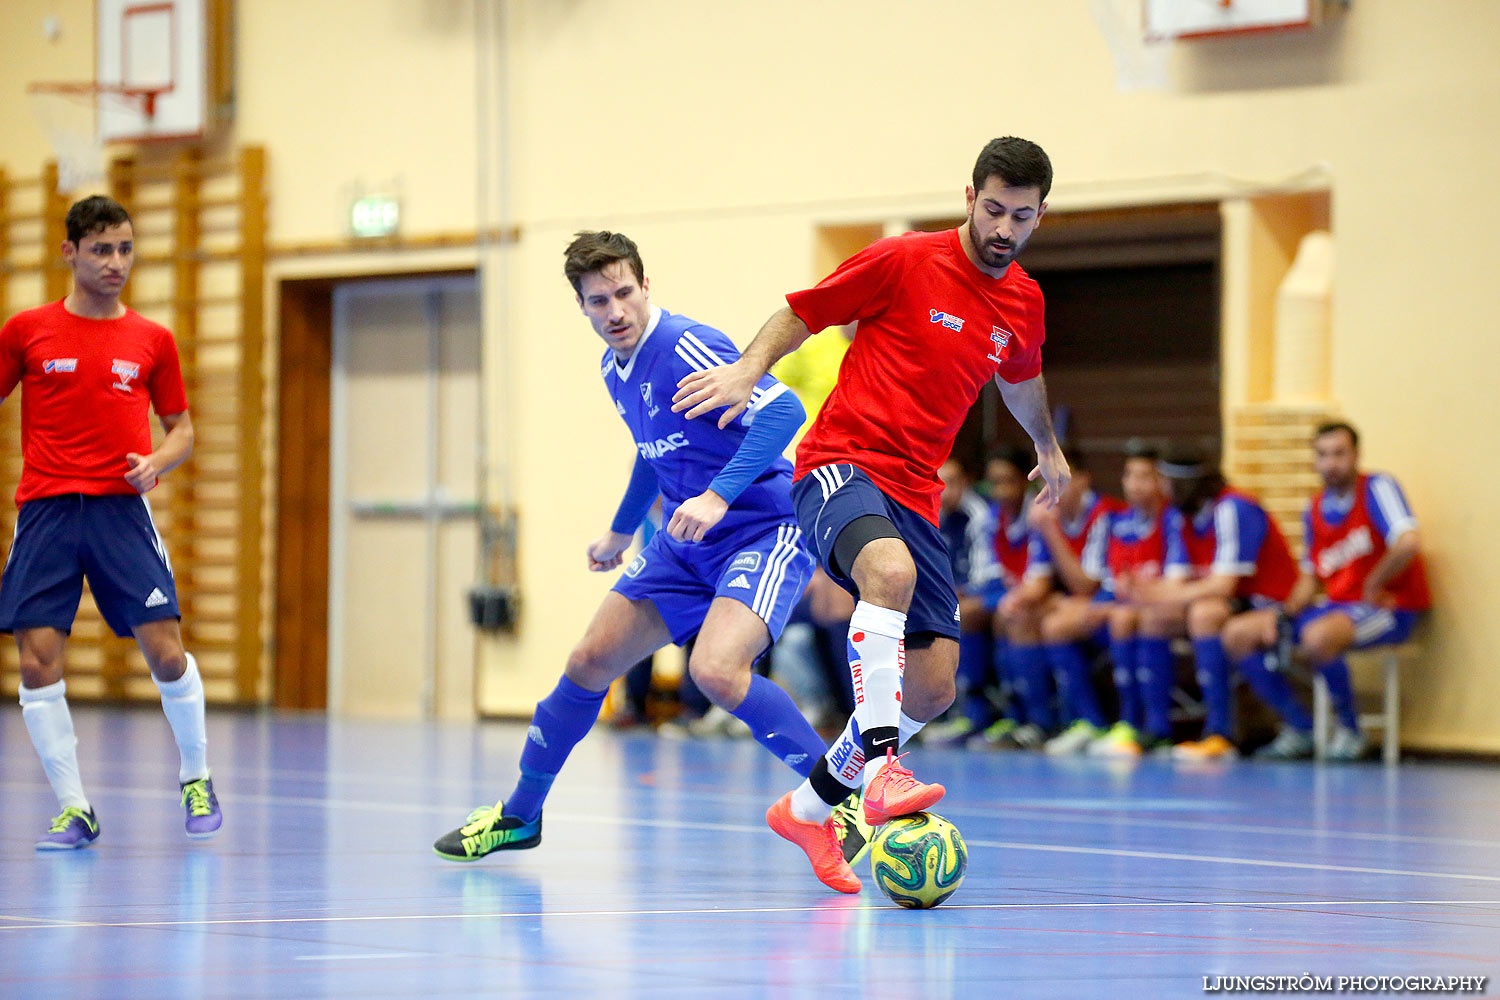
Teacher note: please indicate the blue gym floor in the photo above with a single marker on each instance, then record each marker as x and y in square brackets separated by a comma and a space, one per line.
[657, 875]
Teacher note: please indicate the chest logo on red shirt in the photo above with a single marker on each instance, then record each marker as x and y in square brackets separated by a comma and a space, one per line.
[1356, 545]
[124, 371]
[950, 321]
[60, 365]
[1001, 337]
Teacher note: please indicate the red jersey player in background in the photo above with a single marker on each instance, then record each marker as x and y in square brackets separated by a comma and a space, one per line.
[1064, 560]
[940, 315]
[91, 370]
[1363, 555]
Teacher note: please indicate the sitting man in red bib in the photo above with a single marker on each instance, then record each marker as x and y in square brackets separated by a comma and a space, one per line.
[1363, 555]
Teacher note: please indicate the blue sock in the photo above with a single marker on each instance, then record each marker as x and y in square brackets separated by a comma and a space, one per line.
[1341, 692]
[974, 664]
[1213, 678]
[777, 725]
[561, 719]
[1005, 674]
[1122, 655]
[1154, 670]
[1034, 682]
[1275, 691]
[1077, 686]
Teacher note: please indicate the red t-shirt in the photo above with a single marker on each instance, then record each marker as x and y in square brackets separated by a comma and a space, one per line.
[933, 329]
[88, 388]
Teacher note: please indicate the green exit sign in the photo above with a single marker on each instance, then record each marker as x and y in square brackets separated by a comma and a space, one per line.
[376, 215]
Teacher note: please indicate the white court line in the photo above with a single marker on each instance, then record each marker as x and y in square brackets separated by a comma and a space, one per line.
[666, 824]
[1115, 852]
[1061, 813]
[833, 907]
[358, 958]
[1057, 814]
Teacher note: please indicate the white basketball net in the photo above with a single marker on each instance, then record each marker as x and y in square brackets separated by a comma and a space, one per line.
[71, 121]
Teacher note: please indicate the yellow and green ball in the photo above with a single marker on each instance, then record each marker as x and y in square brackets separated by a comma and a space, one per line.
[918, 860]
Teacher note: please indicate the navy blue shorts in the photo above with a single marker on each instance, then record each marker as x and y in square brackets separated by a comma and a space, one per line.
[831, 497]
[111, 540]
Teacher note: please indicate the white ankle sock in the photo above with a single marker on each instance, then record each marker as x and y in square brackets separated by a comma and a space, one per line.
[182, 702]
[50, 724]
[807, 806]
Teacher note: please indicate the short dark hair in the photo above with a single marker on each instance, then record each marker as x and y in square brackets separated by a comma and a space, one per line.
[1144, 452]
[1017, 162]
[593, 251]
[94, 214]
[1015, 456]
[1334, 427]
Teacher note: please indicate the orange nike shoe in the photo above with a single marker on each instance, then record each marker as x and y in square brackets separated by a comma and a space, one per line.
[896, 792]
[818, 841]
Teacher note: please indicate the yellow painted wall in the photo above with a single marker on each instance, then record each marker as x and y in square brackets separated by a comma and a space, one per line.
[721, 135]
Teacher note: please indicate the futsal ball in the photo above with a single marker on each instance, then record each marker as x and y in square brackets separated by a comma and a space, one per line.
[918, 860]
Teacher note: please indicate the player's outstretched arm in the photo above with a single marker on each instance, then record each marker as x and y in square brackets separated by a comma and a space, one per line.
[730, 385]
[772, 430]
[1027, 402]
[605, 551]
[144, 470]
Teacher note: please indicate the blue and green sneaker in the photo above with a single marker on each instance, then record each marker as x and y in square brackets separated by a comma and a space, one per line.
[850, 828]
[486, 831]
[71, 829]
[204, 817]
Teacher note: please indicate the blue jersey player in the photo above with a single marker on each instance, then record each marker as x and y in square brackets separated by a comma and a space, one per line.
[728, 567]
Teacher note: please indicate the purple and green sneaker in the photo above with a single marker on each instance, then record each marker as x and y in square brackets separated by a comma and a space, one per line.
[71, 829]
[203, 815]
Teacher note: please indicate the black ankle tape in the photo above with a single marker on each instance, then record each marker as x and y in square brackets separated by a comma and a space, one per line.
[830, 789]
[877, 740]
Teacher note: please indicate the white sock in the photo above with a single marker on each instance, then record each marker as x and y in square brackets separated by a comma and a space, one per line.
[182, 701]
[877, 646]
[909, 728]
[807, 806]
[50, 724]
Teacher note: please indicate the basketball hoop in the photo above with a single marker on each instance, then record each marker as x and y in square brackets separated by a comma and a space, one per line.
[69, 112]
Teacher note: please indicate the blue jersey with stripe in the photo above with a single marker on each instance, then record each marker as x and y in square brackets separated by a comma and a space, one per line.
[685, 454]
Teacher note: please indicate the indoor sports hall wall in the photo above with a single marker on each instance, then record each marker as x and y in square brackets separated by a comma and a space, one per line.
[720, 136]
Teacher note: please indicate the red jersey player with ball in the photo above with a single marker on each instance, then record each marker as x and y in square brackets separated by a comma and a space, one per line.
[940, 315]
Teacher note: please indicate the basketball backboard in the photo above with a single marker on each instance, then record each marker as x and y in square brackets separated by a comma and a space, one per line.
[154, 54]
[1168, 19]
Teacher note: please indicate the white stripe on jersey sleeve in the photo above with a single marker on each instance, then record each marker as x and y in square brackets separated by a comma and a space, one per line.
[702, 357]
[1095, 549]
[1398, 516]
[1227, 542]
[704, 349]
[756, 405]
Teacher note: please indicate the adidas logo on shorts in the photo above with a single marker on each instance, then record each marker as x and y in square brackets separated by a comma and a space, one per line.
[740, 582]
[157, 598]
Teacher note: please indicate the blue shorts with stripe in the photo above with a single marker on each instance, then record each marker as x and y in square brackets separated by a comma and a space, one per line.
[766, 568]
[1373, 625]
[110, 540]
[828, 499]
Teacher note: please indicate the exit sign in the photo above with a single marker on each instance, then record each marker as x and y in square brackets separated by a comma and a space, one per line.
[374, 216]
